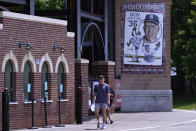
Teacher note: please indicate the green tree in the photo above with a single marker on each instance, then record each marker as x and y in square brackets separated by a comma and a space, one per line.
[184, 40]
[50, 4]
[189, 59]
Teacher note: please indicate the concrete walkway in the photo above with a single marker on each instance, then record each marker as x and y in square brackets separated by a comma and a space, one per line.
[178, 120]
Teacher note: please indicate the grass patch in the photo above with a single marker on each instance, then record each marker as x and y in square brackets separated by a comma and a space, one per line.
[185, 103]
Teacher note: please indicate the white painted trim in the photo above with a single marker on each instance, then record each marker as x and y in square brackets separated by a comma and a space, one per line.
[103, 63]
[30, 58]
[70, 34]
[62, 59]
[10, 56]
[18, 16]
[13, 103]
[1, 26]
[46, 58]
[82, 61]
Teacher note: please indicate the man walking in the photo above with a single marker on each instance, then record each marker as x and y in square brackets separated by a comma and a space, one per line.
[101, 92]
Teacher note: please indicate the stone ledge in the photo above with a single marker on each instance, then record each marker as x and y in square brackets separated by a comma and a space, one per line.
[1, 26]
[47, 101]
[13, 103]
[81, 61]
[29, 102]
[70, 34]
[104, 63]
[18, 16]
[63, 100]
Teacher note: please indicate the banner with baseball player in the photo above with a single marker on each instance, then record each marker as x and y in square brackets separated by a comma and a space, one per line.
[143, 35]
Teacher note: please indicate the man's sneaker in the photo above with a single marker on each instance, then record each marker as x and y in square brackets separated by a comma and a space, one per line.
[103, 126]
[98, 125]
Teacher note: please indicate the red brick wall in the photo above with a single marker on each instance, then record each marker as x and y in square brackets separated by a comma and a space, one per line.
[82, 70]
[107, 71]
[141, 81]
[1, 90]
[42, 38]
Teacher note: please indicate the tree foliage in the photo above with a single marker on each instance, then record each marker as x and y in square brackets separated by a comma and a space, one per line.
[50, 4]
[184, 37]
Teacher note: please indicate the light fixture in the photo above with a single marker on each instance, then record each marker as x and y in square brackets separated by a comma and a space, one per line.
[27, 45]
[62, 48]
[55, 47]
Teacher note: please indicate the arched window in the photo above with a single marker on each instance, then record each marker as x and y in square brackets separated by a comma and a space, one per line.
[61, 79]
[27, 81]
[44, 80]
[9, 80]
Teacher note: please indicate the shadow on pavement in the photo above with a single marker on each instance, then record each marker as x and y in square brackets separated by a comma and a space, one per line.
[92, 129]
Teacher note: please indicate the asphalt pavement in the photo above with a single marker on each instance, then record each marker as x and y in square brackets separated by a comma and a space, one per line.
[178, 120]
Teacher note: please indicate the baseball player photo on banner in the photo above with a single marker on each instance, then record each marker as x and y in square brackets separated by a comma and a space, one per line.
[143, 38]
[143, 49]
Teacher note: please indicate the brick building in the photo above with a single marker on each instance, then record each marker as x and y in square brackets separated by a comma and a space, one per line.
[38, 65]
[38, 52]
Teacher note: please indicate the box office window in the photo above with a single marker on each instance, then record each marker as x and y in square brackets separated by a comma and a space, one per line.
[45, 80]
[27, 81]
[61, 81]
[9, 76]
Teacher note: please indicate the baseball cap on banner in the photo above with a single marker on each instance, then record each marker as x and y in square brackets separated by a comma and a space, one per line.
[152, 18]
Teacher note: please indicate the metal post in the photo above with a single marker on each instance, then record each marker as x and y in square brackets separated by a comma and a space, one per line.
[5, 110]
[60, 125]
[111, 28]
[92, 6]
[32, 105]
[79, 101]
[78, 28]
[32, 109]
[106, 29]
[45, 111]
[32, 10]
[79, 105]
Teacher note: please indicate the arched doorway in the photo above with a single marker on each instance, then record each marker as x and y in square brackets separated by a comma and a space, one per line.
[44, 80]
[2, 8]
[61, 79]
[27, 81]
[9, 80]
[92, 46]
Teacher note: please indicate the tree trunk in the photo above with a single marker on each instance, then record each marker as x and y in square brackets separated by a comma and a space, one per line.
[191, 87]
